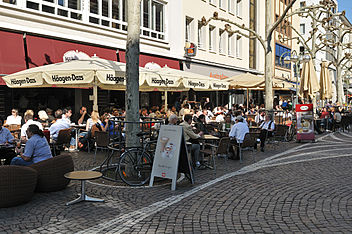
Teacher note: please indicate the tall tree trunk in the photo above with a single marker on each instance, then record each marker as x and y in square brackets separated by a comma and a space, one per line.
[339, 56]
[132, 71]
[269, 65]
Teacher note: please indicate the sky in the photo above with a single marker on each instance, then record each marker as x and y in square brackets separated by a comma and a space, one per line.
[347, 6]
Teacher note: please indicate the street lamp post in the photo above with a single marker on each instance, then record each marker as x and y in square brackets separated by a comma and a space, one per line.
[296, 59]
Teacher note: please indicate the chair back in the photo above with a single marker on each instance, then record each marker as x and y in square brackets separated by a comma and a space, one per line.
[14, 127]
[280, 130]
[47, 135]
[248, 141]
[102, 138]
[64, 136]
[93, 130]
[223, 146]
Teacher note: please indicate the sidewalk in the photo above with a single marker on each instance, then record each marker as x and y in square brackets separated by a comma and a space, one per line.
[47, 211]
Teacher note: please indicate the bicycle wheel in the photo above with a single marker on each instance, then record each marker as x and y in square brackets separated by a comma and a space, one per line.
[291, 132]
[135, 167]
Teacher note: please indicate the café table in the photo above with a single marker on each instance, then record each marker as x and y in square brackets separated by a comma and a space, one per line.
[83, 176]
[78, 128]
[204, 140]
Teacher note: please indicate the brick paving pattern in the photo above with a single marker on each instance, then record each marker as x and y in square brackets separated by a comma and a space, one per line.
[289, 188]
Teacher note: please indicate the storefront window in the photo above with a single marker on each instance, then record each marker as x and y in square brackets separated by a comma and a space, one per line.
[279, 51]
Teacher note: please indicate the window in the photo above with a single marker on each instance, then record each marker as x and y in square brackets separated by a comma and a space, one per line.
[222, 4]
[302, 28]
[281, 52]
[201, 35]
[239, 8]
[211, 38]
[222, 41]
[188, 33]
[231, 6]
[230, 43]
[239, 46]
[152, 19]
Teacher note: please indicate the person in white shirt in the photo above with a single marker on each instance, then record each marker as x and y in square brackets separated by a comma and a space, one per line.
[28, 117]
[266, 130]
[239, 130]
[66, 114]
[14, 118]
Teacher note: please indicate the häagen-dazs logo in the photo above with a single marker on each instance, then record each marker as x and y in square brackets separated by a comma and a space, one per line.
[219, 86]
[116, 79]
[64, 79]
[304, 108]
[23, 81]
[162, 82]
[196, 84]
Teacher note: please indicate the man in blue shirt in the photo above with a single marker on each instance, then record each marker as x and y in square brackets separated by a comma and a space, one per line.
[37, 148]
[6, 150]
[58, 125]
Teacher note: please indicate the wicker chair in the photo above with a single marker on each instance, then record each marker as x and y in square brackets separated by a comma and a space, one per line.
[51, 173]
[17, 184]
[63, 138]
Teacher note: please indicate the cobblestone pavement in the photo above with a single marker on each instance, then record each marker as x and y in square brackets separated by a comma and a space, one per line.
[289, 188]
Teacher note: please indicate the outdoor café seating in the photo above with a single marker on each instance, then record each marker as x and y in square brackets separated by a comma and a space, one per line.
[51, 173]
[17, 185]
[63, 138]
[222, 149]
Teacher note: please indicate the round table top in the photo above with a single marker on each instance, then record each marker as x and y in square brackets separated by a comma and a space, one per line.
[83, 175]
[210, 137]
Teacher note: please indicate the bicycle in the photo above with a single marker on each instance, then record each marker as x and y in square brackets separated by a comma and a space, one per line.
[291, 132]
[136, 163]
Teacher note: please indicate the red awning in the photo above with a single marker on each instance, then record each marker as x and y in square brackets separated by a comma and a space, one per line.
[12, 57]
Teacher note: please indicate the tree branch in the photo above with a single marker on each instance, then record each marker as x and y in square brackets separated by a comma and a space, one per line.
[281, 18]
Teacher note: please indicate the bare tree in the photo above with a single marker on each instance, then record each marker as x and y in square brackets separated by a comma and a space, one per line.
[132, 71]
[267, 42]
[337, 46]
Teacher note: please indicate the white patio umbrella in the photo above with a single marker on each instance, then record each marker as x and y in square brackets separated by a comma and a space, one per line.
[187, 80]
[325, 82]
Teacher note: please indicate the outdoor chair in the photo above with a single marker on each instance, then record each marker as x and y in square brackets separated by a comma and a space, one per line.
[280, 132]
[51, 173]
[63, 139]
[216, 150]
[248, 143]
[102, 141]
[15, 130]
[17, 184]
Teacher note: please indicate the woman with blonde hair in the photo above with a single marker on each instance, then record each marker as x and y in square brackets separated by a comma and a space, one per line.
[94, 119]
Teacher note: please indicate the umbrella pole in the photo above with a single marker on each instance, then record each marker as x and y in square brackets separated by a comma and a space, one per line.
[247, 99]
[95, 97]
[165, 101]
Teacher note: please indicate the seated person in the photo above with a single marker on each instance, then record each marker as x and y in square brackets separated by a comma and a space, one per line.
[81, 117]
[227, 125]
[238, 132]
[93, 120]
[59, 125]
[173, 119]
[28, 118]
[37, 148]
[5, 139]
[266, 130]
[43, 118]
[109, 126]
[201, 124]
[191, 137]
[14, 118]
